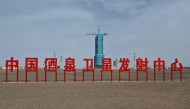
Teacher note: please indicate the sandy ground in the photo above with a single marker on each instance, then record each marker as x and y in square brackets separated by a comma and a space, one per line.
[95, 95]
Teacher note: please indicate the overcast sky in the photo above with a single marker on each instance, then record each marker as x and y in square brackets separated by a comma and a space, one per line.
[149, 28]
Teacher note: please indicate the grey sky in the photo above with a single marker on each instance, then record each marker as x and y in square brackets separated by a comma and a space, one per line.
[149, 28]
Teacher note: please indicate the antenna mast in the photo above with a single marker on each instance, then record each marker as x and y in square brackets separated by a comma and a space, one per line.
[134, 60]
[98, 29]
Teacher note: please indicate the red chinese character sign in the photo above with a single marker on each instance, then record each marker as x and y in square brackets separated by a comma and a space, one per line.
[124, 67]
[89, 68]
[69, 66]
[31, 65]
[50, 66]
[174, 68]
[142, 66]
[106, 67]
[160, 64]
[12, 64]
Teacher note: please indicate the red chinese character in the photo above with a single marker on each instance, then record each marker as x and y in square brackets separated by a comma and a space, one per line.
[89, 68]
[142, 66]
[106, 66]
[124, 66]
[12, 64]
[31, 65]
[174, 68]
[51, 66]
[160, 64]
[70, 66]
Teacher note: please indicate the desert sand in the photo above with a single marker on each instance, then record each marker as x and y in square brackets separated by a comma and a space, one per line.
[95, 95]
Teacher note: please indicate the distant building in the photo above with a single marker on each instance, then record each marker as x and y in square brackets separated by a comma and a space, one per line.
[113, 63]
[116, 63]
